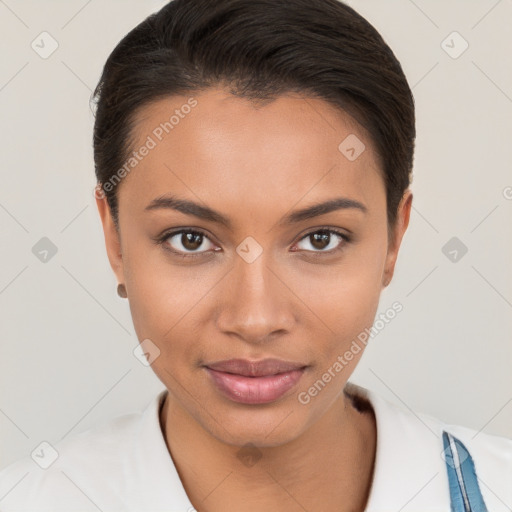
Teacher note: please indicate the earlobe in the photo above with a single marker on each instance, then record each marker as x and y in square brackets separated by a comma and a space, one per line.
[112, 239]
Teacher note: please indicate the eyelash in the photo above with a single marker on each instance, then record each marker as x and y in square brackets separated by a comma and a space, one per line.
[165, 236]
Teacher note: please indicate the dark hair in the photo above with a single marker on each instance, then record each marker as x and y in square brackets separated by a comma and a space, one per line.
[258, 49]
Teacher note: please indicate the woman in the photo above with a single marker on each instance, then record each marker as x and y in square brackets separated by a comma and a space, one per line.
[253, 160]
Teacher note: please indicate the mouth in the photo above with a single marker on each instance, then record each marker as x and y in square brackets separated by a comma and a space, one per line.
[255, 382]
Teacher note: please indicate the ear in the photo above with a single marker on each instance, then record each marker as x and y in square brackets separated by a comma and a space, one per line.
[112, 238]
[403, 214]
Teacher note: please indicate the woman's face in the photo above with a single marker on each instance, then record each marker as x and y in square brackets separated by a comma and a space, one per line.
[265, 282]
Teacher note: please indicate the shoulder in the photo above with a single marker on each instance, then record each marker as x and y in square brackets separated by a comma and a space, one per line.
[69, 473]
[489, 457]
[411, 454]
[492, 458]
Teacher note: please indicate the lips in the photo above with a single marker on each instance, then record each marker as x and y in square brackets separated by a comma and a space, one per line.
[255, 382]
[261, 368]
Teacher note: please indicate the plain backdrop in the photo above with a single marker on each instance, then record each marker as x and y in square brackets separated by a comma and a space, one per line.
[67, 340]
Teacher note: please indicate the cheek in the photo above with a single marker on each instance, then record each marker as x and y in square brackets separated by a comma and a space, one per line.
[346, 295]
[347, 311]
[345, 308]
[344, 300]
[161, 302]
[169, 302]
[166, 309]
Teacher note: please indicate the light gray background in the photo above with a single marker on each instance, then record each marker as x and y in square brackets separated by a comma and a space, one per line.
[66, 360]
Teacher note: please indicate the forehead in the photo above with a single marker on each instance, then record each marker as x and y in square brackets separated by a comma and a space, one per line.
[226, 151]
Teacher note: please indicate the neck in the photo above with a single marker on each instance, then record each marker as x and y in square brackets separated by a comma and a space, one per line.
[328, 467]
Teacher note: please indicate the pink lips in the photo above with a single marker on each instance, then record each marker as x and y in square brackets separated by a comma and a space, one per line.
[255, 382]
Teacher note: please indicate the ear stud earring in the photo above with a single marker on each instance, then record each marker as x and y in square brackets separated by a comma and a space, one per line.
[121, 291]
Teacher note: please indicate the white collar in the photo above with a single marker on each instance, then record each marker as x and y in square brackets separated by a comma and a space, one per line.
[156, 479]
[409, 471]
[125, 465]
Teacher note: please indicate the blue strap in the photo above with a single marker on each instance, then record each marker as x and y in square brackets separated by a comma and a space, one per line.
[465, 495]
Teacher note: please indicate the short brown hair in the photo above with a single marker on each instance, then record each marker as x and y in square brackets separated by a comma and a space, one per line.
[259, 49]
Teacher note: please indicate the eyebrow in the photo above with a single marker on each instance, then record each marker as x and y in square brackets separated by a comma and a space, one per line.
[204, 212]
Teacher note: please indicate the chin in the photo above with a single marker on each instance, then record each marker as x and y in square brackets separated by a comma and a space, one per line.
[263, 428]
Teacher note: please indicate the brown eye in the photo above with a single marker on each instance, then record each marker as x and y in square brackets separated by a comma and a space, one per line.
[324, 240]
[320, 240]
[191, 241]
[187, 241]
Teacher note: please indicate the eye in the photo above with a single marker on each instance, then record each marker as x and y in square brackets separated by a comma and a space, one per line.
[194, 243]
[325, 240]
[186, 242]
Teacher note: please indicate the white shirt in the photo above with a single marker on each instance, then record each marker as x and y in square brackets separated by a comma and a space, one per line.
[124, 465]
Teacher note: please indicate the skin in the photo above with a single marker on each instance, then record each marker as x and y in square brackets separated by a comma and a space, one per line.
[255, 164]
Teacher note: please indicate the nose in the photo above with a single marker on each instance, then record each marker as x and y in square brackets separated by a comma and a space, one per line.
[256, 304]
